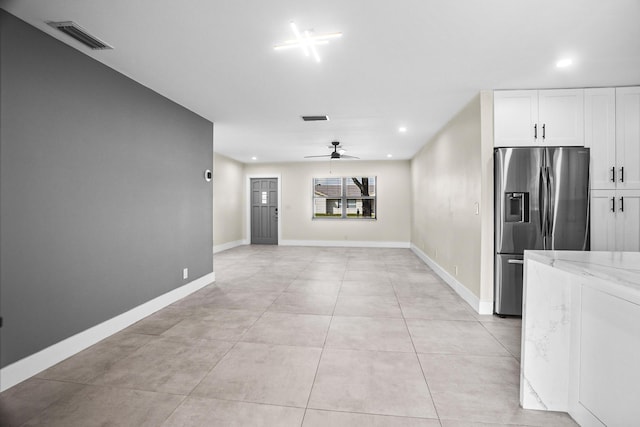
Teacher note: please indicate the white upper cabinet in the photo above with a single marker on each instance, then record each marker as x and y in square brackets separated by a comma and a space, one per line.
[628, 137]
[612, 131]
[515, 117]
[561, 116]
[600, 135]
[552, 117]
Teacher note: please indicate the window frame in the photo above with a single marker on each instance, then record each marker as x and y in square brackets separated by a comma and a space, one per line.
[344, 199]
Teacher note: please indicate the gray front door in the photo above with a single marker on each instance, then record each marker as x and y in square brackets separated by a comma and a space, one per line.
[264, 211]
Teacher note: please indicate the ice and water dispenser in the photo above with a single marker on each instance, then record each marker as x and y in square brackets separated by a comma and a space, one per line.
[517, 207]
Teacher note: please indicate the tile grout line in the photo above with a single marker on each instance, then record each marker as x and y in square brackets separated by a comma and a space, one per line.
[500, 342]
[237, 340]
[417, 358]
[229, 350]
[315, 376]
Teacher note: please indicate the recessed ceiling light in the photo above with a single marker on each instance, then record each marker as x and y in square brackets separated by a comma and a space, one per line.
[564, 62]
[306, 41]
[254, 158]
[402, 129]
[389, 155]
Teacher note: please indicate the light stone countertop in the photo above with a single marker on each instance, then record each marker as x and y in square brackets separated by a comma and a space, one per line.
[617, 273]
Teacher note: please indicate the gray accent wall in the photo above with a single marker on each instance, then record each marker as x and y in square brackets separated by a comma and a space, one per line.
[102, 196]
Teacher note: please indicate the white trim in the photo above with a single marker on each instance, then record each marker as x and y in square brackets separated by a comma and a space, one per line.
[37, 362]
[248, 205]
[346, 243]
[229, 245]
[481, 307]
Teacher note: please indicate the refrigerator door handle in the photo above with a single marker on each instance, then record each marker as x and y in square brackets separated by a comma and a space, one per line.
[550, 209]
[544, 205]
[541, 201]
[515, 261]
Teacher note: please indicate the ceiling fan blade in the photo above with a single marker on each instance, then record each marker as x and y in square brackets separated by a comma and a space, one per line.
[338, 152]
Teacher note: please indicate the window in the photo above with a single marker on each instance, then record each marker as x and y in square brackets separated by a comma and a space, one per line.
[347, 198]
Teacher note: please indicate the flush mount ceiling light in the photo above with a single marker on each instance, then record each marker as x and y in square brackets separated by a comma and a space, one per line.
[564, 63]
[402, 129]
[306, 41]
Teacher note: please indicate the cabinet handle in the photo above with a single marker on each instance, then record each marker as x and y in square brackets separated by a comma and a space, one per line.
[622, 174]
[543, 131]
[613, 174]
[613, 204]
[621, 204]
[535, 131]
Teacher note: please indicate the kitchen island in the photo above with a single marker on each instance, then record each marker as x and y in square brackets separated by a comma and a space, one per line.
[581, 335]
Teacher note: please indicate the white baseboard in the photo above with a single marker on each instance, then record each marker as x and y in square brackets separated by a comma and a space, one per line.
[29, 366]
[347, 243]
[481, 307]
[485, 307]
[229, 245]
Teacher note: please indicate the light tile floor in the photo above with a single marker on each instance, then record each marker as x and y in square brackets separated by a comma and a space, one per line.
[291, 336]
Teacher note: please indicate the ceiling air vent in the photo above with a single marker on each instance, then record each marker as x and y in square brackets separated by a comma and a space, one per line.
[315, 118]
[80, 34]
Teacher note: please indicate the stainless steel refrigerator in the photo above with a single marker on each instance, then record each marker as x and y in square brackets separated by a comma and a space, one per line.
[541, 202]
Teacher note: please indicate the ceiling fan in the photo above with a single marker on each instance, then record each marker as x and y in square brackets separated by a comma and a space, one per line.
[338, 152]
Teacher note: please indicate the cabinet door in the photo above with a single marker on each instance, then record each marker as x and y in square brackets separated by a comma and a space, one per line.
[608, 355]
[628, 221]
[515, 115]
[561, 117]
[603, 221]
[628, 137]
[600, 135]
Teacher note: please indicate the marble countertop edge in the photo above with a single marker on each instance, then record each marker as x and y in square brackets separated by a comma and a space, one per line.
[616, 273]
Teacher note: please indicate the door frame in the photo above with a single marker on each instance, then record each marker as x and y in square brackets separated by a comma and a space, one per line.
[247, 218]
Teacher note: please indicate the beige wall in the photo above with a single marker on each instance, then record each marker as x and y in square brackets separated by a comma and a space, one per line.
[228, 200]
[393, 204]
[448, 180]
[487, 251]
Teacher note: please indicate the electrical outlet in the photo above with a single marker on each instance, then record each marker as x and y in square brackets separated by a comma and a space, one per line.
[185, 273]
[455, 270]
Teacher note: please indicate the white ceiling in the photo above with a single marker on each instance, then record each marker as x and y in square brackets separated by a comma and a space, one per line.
[405, 62]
